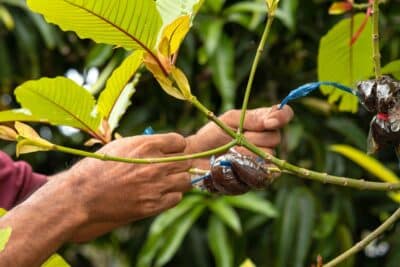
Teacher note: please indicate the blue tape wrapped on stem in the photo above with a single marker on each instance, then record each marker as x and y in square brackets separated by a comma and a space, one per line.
[309, 87]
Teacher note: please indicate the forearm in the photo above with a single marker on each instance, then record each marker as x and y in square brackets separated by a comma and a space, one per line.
[41, 224]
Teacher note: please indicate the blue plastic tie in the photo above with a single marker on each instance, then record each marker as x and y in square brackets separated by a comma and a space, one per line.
[148, 131]
[201, 178]
[225, 163]
[309, 87]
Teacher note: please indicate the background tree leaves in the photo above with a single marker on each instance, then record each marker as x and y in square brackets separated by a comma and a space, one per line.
[338, 61]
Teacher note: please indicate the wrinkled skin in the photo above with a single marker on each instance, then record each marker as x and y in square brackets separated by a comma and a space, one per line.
[383, 98]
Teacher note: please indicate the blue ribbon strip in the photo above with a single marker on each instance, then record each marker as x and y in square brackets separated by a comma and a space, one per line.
[148, 131]
[309, 87]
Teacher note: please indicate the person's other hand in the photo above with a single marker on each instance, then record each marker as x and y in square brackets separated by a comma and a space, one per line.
[113, 194]
[261, 127]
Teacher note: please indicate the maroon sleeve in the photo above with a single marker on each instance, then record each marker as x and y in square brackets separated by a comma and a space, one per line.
[17, 181]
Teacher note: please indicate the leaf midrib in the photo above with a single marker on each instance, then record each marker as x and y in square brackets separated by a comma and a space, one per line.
[86, 127]
[141, 44]
[119, 95]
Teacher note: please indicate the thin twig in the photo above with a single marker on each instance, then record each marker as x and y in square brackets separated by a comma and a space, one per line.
[375, 39]
[322, 177]
[106, 157]
[260, 50]
[368, 239]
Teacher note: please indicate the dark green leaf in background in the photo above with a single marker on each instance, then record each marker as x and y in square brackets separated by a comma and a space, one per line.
[219, 243]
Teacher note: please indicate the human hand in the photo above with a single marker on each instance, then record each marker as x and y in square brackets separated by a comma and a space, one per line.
[113, 194]
[261, 127]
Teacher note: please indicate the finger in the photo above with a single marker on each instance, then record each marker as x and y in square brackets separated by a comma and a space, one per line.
[179, 182]
[203, 164]
[176, 167]
[170, 200]
[254, 120]
[264, 139]
[246, 152]
[170, 143]
[278, 118]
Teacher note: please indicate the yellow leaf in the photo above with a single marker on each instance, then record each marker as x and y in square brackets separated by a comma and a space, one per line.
[28, 146]
[338, 8]
[55, 261]
[173, 35]
[182, 82]
[5, 234]
[26, 131]
[118, 136]
[2, 212]
[32, 142]
[92, 142]
[248, 263]
[272, 5]
[166, 84]
[369, 164]
[7, 133]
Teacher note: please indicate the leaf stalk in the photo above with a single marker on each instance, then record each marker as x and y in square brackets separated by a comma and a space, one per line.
[260, 50]
[368, 239]
[375, 40]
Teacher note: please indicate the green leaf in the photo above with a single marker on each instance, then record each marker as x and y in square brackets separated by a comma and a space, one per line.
[288, 12]
[115, 98]
[306, 222]
[253, 202]
[58, 101]
[295, 228]
[219, 243]
[6, 69]
[175, 235]
[133, 24]
[350, 130]
[369, 164]
[98, 55]
[223, 71]
[5, 234]
[328, 221]
[18, 115]
[340, 62]
[169, 217]
[6, 18]
[211, 32]
[392, 68]
[16, 3]
[170, 10]
[46, 30]
[55, 261]
[27, 40]
[215, 5]
[226, 214]
[155, 239]
[344, 236]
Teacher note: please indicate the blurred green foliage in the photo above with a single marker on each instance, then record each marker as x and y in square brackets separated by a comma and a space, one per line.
[292, 222]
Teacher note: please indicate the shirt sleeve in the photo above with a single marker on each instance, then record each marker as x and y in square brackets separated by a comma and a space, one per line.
[17, 181]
